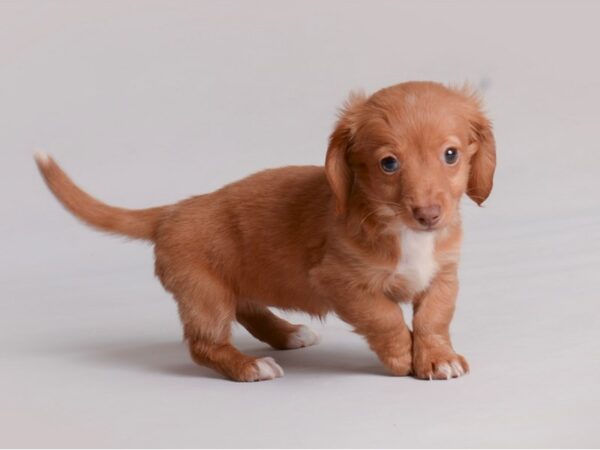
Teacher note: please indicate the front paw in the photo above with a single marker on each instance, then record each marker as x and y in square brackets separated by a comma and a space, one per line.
[396, 354]
[399, 365]
[438, 363]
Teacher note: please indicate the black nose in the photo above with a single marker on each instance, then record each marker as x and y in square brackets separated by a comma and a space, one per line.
[427, 215]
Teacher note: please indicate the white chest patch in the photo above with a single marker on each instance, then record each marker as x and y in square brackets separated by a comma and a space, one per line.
[417, 264]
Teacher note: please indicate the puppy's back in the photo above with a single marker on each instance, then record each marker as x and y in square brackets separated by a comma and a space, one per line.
[258, 231]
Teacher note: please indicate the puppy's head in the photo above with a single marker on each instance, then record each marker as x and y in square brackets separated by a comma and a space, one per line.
[411, 151]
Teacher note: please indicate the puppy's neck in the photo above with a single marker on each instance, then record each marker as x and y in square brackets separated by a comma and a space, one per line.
[417, 263]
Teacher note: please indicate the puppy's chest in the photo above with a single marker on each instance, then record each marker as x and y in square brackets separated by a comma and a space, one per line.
[417, 264]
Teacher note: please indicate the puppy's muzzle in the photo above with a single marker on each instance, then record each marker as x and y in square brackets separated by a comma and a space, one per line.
[427, 216]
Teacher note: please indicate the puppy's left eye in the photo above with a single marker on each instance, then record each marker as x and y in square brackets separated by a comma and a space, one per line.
[450, 156]
[389, 164]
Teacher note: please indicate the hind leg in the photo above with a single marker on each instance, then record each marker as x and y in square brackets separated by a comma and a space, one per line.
[207, 308]
[267, 327]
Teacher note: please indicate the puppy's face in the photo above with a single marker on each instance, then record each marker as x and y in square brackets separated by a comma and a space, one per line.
[411, 151]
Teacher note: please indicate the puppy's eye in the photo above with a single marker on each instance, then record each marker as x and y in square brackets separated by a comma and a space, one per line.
[389, 164]
[450, 156]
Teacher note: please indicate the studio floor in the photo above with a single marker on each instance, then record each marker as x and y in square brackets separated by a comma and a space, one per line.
[94, 355]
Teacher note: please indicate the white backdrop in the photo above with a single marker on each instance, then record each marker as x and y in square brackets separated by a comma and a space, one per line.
[147, 102]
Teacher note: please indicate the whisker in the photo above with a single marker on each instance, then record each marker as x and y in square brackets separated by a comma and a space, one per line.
[367, 216]
[371, 213]
[384, 202]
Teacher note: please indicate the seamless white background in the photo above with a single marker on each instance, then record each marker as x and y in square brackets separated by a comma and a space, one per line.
[147, 102]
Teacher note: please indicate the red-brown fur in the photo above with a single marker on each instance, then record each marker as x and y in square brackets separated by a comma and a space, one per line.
[322, 240]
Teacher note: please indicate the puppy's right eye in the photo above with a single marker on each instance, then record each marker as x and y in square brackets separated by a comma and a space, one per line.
[389, 164]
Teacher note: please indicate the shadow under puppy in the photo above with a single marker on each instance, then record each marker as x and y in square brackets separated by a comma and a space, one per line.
[378, 225]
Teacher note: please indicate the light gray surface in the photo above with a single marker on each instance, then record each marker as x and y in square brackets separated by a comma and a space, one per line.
[145, 103]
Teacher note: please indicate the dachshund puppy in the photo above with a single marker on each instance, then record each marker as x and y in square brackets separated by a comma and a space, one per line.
[378, 225]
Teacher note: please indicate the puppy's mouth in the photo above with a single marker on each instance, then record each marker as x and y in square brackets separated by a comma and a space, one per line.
[404, 216]
[414, 225]
[430, 228]
[426, 228]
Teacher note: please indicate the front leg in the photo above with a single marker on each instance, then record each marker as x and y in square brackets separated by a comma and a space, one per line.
[381, 322]
[433, 355]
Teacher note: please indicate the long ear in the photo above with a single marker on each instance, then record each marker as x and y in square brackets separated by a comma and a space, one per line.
[483, 162]
[338, 172]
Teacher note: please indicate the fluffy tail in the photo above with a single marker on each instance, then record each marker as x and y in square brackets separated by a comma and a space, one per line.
[139, 224]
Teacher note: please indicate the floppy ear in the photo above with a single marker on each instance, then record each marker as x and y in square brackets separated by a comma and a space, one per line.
[338, 172]
[483, 162]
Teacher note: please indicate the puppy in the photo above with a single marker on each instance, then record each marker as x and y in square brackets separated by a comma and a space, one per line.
[378, 225]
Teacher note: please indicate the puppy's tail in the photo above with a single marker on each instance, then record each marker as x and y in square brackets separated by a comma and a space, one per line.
[138, 224]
